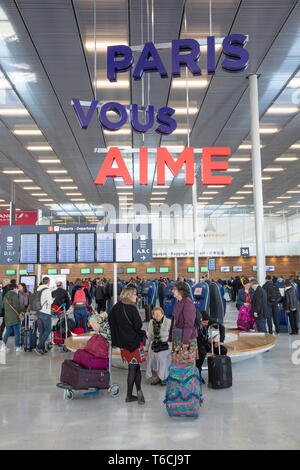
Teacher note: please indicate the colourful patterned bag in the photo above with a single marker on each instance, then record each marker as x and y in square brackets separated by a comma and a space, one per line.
[184, 391]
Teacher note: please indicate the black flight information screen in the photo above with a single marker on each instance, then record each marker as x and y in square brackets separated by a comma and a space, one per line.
[28, 248]
[85, 248]
[66, 248]
[105, 247]
[47, 248]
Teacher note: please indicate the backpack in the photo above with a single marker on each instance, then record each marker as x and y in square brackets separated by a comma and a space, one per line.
[273, 293]
[245, 319]
[35, 303]
[80, 297]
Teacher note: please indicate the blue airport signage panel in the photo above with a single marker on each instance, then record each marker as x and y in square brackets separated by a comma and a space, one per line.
[245, 251]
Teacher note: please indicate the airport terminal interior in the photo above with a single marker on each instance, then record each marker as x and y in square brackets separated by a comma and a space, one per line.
[149, 225]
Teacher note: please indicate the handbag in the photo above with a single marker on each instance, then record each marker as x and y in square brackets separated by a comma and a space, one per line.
[142, 333]
[158, 346]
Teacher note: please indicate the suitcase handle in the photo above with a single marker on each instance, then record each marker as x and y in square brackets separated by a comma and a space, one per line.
[212, 343]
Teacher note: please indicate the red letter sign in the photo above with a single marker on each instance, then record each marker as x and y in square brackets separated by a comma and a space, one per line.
[143, 166]
[164, 158]
[113, 155]
[209, 165]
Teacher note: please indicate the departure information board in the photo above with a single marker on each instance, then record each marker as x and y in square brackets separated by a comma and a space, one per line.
[123, 247]
[66, 248]
[105, 248]
[28, 248]
[85, 248]
[47, 248]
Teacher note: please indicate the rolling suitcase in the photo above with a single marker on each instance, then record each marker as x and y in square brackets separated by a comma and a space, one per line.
[28, 334]
[88, 361]
[80, 378]
[219, 370]
[184, 391]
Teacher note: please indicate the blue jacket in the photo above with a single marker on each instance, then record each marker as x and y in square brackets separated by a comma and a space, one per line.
[241, 297]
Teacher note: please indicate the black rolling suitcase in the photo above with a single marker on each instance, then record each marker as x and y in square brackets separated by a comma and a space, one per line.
[219, 370]
[28, 333]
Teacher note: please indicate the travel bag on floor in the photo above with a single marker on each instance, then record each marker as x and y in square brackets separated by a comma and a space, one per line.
[219, 370]
[245, 319]
[88, 361]
[28, 333]
[80, 378]
[184, 391]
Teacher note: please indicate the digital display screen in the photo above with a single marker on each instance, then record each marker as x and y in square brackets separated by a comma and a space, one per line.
[164, 270]
[270, 268]
[225, 269]
[211, 264]
[204, 269]
[66, 248]
[123, 247]
[120, 271]
[28, 248]
[191, 269]
[237, 269]
[52, 271]
[48, 248]
[85, 271]
[23, 272]
[105, 248]
[131, 270]
[85, 248]
[10, 272]
[65, 271]
[151, 270]
[98, 271]
[29, 281]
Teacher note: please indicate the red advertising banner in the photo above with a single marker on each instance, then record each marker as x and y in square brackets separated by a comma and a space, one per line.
[22, 218]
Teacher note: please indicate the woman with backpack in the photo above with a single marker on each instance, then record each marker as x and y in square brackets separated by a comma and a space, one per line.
[13, 310]
[81, 299]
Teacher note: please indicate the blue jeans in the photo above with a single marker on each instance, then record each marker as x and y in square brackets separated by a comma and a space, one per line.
[44, 328]
[81, 314]
[261, 325]
[16, 329]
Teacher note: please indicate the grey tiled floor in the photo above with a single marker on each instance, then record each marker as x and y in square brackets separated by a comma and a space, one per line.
[261, 410]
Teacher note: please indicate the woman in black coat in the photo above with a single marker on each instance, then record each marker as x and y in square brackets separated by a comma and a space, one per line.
[126, 333]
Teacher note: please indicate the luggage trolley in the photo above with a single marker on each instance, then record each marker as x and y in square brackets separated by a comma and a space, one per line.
[113, 389]
[57, 338]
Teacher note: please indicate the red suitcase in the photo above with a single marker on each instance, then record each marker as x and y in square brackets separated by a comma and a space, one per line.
[80, 378]
[88, 361]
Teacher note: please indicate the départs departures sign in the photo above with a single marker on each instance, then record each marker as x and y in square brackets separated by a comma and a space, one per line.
[185, 53]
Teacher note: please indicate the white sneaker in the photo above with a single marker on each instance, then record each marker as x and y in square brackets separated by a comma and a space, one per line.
[4, 348]
[19, 349]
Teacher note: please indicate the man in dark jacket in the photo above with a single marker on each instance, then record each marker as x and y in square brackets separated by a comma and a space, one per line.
[259, 306]
[236, 286]
[100, 297]
[273, 298]
[204, 341]
[161, 288]
[61, 296]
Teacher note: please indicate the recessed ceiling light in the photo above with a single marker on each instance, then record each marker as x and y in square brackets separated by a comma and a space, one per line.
[4, 205]
[27, 132]
[268, 130]
[68, 187]
[266, 178]
[233, 170]
[13, 172]
[295, 146]
[244, 192]
[155, 203]
[48, 160]
[282, 110]
[27, 180]
[158, 198]
[216, 186]
[45, 200]
[73, 194]
[167, 186]
[124, 187]
[239, 159]
[56, 171]
[40, 148]
[284, 197]
[230, 203]
[204, 198]
[248, 186]
[275, 169]
[32, 188]
[111, 85]
[268, 207]
[39, 194]
[184, 110]
[294, 191]
[117, 133]
[77, 199]
[210, 192]
[191, 83]
[13, 112]
[103, 45]
[159, 193]
[180, 131]
[63, 180]
[294, 83]
[295, 207]
[286, 159]
[275, 202]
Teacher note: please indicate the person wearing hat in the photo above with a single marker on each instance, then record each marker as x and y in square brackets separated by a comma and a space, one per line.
[204, 340]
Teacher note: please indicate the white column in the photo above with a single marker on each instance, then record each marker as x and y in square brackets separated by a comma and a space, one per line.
[39, 273]
[176, 267]
[195, 230]
[115, 283]
[257, 181]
